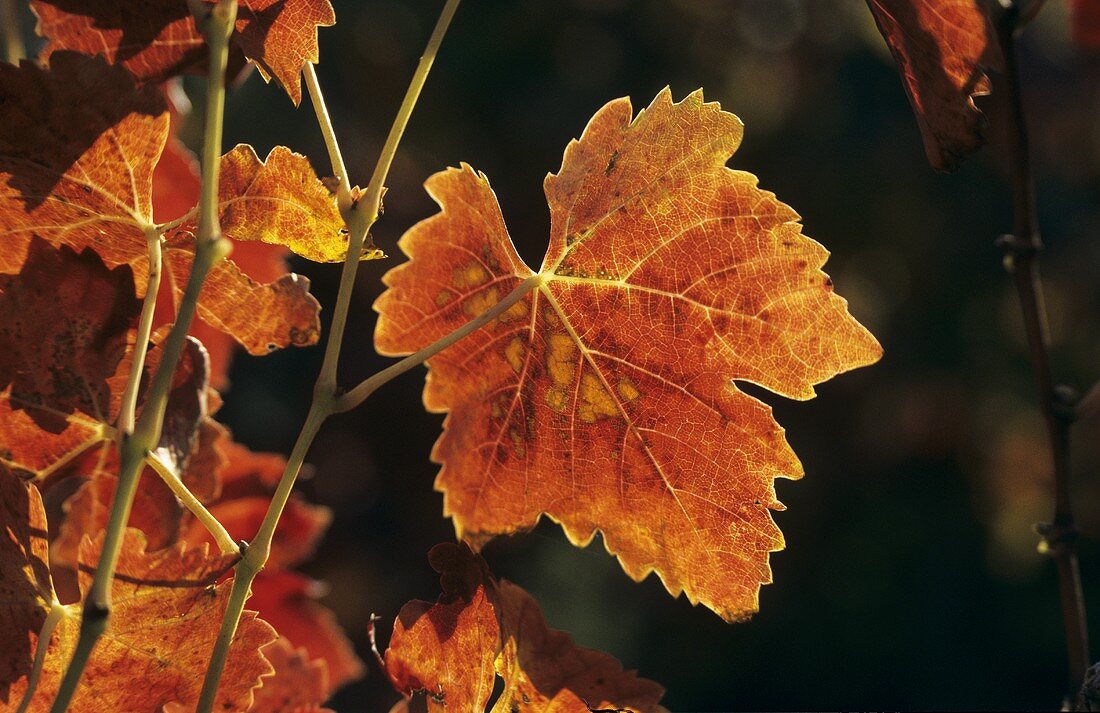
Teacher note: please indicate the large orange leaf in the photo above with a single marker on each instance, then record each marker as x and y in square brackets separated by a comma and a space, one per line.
[157, 39]
[480, 628]
[78, 144]
[942, 49]
[166, 611]
[604, 398]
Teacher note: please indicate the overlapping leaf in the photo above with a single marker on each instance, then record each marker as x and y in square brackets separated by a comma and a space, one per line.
[285, 599]
[300, 683]
[604, 397]
[480, 628]
[66, 321]
[158, 39]
[78, 143]
[175, 585]
[281, 201]
[942, 49]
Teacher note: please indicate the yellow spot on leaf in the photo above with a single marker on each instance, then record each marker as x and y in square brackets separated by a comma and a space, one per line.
[594, 400]
[561, 359]
[627, 390]
[470, 276]
[557, 399]
[514, 354]
[481, 302]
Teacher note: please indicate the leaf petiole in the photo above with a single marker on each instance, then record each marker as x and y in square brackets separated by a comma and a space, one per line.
[145, 328]
[222, 538]
[369, 385]
[57, 612]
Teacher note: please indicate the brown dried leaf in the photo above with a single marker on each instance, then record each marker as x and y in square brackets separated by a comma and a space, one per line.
[942, 49]
[157, 39]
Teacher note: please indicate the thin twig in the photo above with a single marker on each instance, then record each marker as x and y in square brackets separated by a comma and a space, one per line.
[358, 216]
[209, 248]
[141, 341]
[1022, 250]
[222, 538]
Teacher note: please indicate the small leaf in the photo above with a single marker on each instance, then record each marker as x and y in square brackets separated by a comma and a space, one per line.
[282, 202]
[942, 49]
[604, 398]
[479, 628]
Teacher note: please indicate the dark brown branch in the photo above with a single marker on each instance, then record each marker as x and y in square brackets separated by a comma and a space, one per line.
[1057, 403]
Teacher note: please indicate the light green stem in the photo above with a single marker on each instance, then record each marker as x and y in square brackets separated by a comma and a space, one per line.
[53, 618]
[141, 342]
[368, 386]
[13, 32]
[221, 536]
[343, 196]
[209, 248]
[358, 218]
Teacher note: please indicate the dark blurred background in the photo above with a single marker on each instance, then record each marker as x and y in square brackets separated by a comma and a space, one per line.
[911, 578]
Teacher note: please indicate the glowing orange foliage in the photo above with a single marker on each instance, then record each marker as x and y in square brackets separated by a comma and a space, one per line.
[78, 143]
[176, 585]
[942, 48]
[480, 628]
[157, 39]
[604, 398]
[285, 599]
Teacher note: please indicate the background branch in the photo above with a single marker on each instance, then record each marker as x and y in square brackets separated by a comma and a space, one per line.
[1056, 403]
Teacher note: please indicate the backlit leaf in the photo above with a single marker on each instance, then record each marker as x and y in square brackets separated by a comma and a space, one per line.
[175, 585]
[604, 398]
[942, 49]
[78, 143]
[300, 684]
[480, 628]
[158, 39]
[281, 201]
[288, 601]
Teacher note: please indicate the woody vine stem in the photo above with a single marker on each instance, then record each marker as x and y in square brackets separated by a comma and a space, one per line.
[1057, 403]
[359, 214]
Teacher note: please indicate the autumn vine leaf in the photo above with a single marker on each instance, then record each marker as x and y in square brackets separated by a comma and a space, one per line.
[176, 584]
[78, 145]
[943, 49]
[158, 40]
[66, 322]
[481, 628]
[281, 201]
[603, 398]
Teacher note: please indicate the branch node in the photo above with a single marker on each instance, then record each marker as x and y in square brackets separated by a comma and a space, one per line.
[1056, 537]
